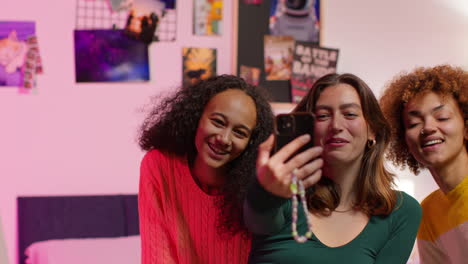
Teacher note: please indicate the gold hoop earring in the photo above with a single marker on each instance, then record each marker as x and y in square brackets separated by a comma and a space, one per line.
[371, 143]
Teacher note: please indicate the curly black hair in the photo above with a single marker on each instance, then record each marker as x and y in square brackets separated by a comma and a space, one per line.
[445, 80]
[172, 124]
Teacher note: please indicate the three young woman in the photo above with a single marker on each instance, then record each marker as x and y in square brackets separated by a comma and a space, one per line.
[202, 147]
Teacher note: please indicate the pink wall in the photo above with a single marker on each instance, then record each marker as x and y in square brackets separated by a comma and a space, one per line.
[80, 139]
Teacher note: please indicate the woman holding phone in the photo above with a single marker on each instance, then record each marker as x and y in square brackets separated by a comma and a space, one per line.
[349, 212]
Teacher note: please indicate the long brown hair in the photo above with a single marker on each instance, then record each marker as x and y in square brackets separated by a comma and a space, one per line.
[374, 183]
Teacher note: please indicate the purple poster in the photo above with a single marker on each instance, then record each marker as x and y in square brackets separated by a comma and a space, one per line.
[109, 56]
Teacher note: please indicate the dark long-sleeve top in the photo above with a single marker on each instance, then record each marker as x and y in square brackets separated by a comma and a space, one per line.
[385, 239]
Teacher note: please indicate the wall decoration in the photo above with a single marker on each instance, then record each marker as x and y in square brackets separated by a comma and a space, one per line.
[250, 74]
[309, 64]
[109, 56]
[157, 16]
[96, 14]
[278, 57]
[207, 17]
[198, 64]
[152, 20]
[299, 19]
[118, 5]
[19, 54]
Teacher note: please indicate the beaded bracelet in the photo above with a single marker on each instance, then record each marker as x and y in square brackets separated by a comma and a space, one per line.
[297, 188]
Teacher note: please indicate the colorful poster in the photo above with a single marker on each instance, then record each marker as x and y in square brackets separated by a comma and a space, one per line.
[207, 17]
[152, 20]
[250, 74]
[299, 19]
[109, 56]
[14, 48]
[278, 54]
[198, 64]
[310, 63]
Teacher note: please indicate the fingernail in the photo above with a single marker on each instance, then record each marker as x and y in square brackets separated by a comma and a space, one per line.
[305, 137]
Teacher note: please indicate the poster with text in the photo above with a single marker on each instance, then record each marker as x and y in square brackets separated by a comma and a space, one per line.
[278, 54]
[198, 64]
[309, 64]
[109, 56]
[299, 19]
[207, 17]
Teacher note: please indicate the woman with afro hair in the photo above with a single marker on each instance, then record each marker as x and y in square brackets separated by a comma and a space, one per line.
[202, 147]
[428, 113]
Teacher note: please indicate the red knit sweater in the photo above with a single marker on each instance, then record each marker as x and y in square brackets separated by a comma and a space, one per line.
[178, 220]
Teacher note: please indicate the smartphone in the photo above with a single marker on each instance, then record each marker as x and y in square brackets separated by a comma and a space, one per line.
[292, 125]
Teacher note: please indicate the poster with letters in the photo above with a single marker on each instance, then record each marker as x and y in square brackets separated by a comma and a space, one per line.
[310, 62]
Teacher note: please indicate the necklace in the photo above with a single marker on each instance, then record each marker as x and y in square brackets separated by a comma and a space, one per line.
[297, 188]
[343, 211]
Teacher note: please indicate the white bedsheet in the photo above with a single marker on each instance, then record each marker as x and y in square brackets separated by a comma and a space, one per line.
[120, 250]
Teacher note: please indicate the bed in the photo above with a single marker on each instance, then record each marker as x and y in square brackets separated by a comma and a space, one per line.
[78, 229]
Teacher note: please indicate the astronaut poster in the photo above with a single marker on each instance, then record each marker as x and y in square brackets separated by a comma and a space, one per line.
[297, 18]
[310, 62]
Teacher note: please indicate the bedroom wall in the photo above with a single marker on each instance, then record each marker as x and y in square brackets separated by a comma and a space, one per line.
[80, 139]
[73, 138]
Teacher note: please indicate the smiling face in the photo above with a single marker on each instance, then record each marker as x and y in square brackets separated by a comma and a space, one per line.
[340, 125]
[435, 131]
[224, 128]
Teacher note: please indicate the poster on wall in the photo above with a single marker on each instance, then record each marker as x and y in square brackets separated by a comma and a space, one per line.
[250, 74]
[198, 64]
[152, 20]
[278, 55]
[207, 17]
[299, 19]
[309, 64]
[109, 56]
[19, 54]
[157, 17]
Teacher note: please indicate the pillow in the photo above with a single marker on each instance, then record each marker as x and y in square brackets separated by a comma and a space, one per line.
[119, 250]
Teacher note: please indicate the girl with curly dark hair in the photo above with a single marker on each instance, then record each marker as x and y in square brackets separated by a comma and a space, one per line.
[349, 212]
[428, 111]
[202, 146]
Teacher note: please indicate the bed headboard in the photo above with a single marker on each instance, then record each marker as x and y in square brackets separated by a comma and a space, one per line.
[60, 217]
